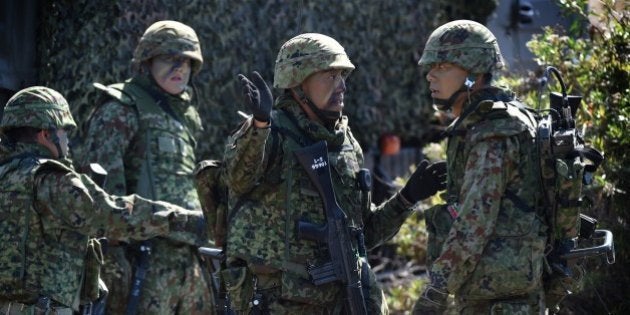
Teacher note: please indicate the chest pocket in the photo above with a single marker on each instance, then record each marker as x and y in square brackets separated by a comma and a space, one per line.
[171, 145]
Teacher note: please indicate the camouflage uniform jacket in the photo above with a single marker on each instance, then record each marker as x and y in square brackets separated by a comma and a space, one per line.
[495, 246]
[144, 138]
[146, 148]
[269, 192]
[48, 213]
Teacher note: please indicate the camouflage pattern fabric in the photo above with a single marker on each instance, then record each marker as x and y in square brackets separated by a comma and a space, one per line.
[49, 213]
[37, 107]
[438, 221]
[529, 304]
[119, 134]
[385, 39]
[465, 43]
[306, 54]
[270, 191]
[495, 249]
[117, 138]
[213, 197]
[271, 286]
[169, 38]
[568, 184]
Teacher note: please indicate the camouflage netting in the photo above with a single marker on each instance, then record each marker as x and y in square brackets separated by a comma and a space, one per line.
[82, 41]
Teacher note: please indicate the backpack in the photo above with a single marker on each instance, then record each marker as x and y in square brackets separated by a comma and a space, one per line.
[567, 165]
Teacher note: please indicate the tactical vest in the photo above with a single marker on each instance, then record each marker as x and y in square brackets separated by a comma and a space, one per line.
[512, 261]
[286, 195]
[161, 159]
[39, 256]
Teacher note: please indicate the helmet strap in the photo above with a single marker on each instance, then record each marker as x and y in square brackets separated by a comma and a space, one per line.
[57, 142]
[446, 105]
[328, 117]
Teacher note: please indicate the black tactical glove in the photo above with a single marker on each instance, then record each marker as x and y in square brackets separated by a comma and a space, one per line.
[257, 96]
[431, 302]
[425, 181]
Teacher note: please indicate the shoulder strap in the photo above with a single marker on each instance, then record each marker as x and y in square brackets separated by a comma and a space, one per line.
[113, 91]
[117, 92]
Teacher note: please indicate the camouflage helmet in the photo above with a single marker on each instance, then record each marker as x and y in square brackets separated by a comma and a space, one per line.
[465, 43]
[169, 38]
[306, 54]
[37, 107]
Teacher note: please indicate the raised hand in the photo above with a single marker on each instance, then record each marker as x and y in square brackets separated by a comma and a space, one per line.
[257, 96]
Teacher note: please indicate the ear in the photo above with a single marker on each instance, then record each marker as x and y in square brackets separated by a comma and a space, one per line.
[42, 136]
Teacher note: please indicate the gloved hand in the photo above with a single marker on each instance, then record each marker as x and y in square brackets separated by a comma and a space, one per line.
[257, 96]
[425, 181]
[431, 302]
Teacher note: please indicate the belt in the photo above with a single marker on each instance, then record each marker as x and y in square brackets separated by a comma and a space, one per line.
[17, 308]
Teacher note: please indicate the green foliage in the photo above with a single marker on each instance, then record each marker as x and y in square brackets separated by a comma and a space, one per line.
[402, 298]
[595, 65]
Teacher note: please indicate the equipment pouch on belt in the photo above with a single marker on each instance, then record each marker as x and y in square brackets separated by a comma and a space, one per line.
[297, 288]
[239, 286]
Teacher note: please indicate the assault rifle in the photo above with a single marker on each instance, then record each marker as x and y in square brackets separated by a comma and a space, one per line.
[344, 263]
[99, 175]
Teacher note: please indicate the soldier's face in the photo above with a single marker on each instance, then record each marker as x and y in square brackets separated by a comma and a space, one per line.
[445, 78]
[326, 89]
[171, 72]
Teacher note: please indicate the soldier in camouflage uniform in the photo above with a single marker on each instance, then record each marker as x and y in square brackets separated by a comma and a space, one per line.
[48, 262]
[492, 256]
[269, 191]
[144, 136]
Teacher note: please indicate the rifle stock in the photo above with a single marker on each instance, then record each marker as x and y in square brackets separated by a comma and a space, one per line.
[211, 252]
[344, 263]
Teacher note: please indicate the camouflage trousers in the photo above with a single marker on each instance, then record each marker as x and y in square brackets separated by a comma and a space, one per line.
[266, 294]
[175, 282]
[16, 308]
[533, 303]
